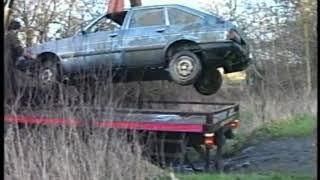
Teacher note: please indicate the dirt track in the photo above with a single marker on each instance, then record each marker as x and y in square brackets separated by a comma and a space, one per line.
[292, 155]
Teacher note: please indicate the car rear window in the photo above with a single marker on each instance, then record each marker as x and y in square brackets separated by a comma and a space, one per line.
[177, 16]
[149, 17]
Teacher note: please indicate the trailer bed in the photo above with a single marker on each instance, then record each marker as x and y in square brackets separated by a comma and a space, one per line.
[132, 118]
[165, 128]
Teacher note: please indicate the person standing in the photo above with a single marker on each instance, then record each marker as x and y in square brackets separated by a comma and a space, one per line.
[13, 50]
[13, 42]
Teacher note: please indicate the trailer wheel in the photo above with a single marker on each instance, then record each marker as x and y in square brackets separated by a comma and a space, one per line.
[209, 82]
[185, 67]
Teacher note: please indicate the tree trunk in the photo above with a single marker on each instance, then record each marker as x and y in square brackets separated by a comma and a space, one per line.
[305, 20]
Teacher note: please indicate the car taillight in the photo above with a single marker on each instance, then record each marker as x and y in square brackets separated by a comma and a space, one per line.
[233, 35]
[209, 139]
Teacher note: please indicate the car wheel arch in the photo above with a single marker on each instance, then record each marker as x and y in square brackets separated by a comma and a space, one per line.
[48, 55]
[171, 47]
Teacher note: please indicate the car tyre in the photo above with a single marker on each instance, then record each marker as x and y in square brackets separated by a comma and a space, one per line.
[185, 67]
[209, 83]
[48, 74]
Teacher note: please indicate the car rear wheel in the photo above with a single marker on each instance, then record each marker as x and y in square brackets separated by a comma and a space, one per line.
[185, 67]
[209, 82]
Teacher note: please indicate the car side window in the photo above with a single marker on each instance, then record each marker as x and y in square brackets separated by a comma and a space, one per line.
[177, 17]
[148, 17]
[103, 24]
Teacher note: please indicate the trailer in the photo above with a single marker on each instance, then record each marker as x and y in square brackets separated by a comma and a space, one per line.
[168, 129]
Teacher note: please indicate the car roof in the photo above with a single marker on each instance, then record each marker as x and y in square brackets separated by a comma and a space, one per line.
[167, 5]
[125, 10]
[155, 6]
[149, 7]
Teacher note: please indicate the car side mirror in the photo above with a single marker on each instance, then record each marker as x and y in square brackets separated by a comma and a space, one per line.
[83, 32]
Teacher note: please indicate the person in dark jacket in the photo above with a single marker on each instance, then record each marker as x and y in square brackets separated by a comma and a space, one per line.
[13, 50]
[20, 58]
[13, 42]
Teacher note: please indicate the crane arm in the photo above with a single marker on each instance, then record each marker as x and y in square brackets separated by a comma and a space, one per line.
[118, 5]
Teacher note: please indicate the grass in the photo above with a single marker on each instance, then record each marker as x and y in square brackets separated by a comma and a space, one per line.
[252, 176]
[61, 153]
[296, 126]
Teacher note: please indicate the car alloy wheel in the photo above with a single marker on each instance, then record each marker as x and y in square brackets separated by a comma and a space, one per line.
[48, 75]
[185, 68]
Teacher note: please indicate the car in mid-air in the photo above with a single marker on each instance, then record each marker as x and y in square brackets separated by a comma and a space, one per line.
[146, 43]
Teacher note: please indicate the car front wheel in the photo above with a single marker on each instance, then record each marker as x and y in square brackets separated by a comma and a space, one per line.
[48, 74]
[185, 67]
[209, 82]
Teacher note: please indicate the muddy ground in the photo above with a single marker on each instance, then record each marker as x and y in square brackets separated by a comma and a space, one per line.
[289, 155]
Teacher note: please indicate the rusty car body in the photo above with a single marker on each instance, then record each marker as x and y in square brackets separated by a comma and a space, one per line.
[139, 43]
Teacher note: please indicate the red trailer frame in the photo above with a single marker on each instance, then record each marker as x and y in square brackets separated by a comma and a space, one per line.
[212, 129]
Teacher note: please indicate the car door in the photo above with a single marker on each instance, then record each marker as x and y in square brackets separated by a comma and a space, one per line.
[68, 49]
[97, 46]
[144, 38]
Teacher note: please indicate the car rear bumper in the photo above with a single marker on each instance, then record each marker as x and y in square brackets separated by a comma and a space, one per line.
[230, 55]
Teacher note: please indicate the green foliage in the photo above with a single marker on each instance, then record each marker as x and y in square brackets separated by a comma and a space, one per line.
[299, 125]
[251, 176]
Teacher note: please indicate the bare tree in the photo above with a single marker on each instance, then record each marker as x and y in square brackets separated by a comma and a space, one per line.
[47, 19]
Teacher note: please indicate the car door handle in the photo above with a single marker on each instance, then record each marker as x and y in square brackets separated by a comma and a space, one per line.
[113, 35]
[161, 30]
